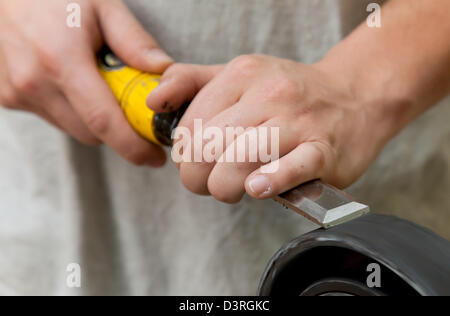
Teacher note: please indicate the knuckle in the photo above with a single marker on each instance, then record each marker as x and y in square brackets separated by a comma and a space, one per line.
[98, 122]
[222, 196]
[9, 98]
[24, 81]
[244, 65]
[135, 59]
[283, 88]
[292, 173]
[319, 157]
[50, 60]
[220, 192]
[197, 185]
[176, 69]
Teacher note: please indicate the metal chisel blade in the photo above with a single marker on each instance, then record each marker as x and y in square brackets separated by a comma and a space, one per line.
[323, 204]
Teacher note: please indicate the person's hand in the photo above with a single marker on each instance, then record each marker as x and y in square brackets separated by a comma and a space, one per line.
[327, 128]
[50, 69]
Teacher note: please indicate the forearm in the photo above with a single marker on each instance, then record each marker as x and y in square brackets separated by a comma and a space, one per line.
[402, 68]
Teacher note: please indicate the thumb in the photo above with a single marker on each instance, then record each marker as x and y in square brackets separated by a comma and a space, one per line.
[128, 39]
[179, 84]
[307, 162]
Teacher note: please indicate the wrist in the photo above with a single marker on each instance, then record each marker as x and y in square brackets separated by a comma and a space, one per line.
[374, 89]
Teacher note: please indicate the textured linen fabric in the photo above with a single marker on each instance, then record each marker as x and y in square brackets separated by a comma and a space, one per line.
[137, 230]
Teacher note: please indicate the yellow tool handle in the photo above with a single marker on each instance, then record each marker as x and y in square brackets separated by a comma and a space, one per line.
[131, 87]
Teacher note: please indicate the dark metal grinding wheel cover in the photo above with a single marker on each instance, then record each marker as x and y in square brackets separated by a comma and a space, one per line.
[415, 254]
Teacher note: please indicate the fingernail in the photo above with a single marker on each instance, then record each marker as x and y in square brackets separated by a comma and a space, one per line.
[260, 185]
[159, 55]
[159, 87]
